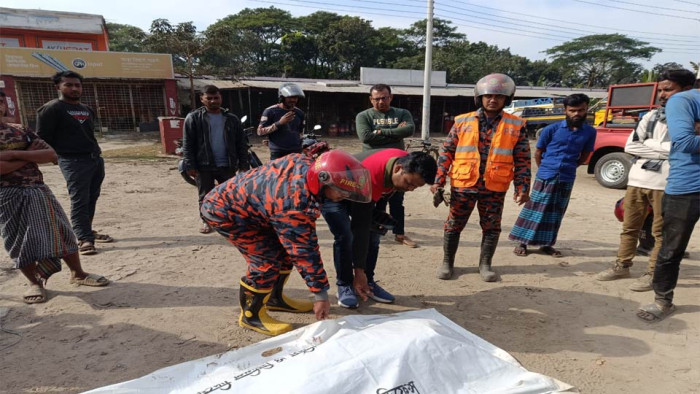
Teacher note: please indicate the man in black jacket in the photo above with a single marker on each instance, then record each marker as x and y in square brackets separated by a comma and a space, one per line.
[214, 145]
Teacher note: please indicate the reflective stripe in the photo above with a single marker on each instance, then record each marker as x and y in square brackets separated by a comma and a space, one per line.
[516, 122]
[466, 148]
[464, 119]
[501, 151]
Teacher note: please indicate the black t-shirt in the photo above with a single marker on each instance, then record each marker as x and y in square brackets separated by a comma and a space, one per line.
[288, 137]
[68, 128]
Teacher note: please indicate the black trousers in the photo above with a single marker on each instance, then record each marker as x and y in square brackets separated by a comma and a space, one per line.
[84, 174]
[680, 213]
[206, 179]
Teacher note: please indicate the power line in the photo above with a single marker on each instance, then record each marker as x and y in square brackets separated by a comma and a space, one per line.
[656, 7]
[576, 22]
[680, 1]
[556, 31]
[632, 10]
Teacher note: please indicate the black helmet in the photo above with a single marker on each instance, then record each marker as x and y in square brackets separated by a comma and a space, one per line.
[289, 89]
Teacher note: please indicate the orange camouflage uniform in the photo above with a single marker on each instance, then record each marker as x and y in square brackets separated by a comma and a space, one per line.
[270, 215]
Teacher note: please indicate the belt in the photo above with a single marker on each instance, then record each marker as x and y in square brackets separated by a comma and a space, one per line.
[91, 155]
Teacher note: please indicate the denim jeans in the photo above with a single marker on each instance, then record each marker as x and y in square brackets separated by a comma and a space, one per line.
[338, 215]
[681, 212]
[84, 174]
[396, 210]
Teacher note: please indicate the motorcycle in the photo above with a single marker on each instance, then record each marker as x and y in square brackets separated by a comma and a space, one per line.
[253, 158]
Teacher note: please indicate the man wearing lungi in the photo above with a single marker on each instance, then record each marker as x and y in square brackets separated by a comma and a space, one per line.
[35, 230]
[561, 148]
[484, 151]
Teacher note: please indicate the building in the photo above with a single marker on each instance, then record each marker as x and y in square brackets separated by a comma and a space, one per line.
[127, 91]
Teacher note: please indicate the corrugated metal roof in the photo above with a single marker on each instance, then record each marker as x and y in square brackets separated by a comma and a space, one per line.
[340, 86]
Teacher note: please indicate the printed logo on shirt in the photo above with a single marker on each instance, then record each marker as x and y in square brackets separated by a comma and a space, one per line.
[386, 122]
[80, 116]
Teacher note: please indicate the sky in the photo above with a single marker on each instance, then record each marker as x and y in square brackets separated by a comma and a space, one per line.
[527, 27]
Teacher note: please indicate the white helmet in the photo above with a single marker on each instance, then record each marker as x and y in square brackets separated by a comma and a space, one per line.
[494, 84]
[289, 89]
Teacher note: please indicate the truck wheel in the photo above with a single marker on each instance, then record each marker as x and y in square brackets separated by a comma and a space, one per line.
[612, 170]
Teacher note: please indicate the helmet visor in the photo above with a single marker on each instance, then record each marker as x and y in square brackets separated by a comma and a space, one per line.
[352, 184]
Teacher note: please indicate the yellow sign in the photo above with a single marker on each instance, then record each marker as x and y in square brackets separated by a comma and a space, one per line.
[38, 62]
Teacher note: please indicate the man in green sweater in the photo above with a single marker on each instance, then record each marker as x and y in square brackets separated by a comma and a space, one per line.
[381, 127]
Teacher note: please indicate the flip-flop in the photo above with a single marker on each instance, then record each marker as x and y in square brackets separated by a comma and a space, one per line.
[653, 313]
[551, 251]
[520, 250]
[34, 295]
[102, 238]
[86, 248]
[93, 280]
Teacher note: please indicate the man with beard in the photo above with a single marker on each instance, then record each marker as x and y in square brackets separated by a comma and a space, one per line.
[650, 144]
[283, 123]
[68, 126]
[214, 145]
[561, 148]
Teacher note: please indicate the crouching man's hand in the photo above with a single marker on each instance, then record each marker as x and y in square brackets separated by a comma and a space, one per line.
[322, 309]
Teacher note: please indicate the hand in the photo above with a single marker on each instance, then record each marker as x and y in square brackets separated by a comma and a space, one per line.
[322, 309]
[192, 173]
[434, 188]
[521, 198]
[402, 124]
[288, 117]
[378, 131]
[38, 144]
[360, 284]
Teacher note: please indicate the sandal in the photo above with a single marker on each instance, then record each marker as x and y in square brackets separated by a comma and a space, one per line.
[92, 280]
[520, 250]
[102, 238]
[35, 294]
[86, 248]
[551, 251]
[653, 313]
[402, 239]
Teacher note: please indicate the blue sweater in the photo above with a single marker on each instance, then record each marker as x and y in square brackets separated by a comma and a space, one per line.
[682, 113]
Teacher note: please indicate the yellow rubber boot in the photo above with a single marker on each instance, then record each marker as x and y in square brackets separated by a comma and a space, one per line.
[280, 302]
[254, 312]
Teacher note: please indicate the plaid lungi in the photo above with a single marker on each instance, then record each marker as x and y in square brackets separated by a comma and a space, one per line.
[34, 228]
[540, 219]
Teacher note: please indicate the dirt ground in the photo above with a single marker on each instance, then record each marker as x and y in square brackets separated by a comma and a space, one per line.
[174, 294]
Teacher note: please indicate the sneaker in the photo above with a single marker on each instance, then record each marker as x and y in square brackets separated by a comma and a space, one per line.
[643, 283]
[346, 297]
[615, 272]
[379, 294]
[402, 239]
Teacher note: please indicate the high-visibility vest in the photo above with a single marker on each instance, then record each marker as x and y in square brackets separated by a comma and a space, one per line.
[499, 170]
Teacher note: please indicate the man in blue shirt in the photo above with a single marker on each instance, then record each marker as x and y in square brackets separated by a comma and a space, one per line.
[681, 203]
[561, 148]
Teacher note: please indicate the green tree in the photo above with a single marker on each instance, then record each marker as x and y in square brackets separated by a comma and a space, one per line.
[125, 38]
[184, 43]
[600, 60]
[349, 44]
[254, 38]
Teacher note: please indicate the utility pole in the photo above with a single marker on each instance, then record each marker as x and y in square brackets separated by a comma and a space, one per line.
[427, 73]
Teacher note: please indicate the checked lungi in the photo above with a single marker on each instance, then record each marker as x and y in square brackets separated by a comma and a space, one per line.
[540, 219]
[34, 228]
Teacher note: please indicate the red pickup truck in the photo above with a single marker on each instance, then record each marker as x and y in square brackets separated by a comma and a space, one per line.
[626, 105]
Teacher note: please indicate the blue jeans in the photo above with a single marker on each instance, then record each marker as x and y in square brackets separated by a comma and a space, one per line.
[396, 210]
[680, 213]
[84, 174]
[338, 215]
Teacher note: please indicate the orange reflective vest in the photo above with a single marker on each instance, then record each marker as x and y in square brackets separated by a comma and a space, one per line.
[499, 171]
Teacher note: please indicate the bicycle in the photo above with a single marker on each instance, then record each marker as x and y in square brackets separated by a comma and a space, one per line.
[420, 145]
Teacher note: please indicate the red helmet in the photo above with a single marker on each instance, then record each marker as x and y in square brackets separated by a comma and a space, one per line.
[620, 209]
[343, 172]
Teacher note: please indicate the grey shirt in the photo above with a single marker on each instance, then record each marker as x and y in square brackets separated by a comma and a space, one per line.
[217, 139]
